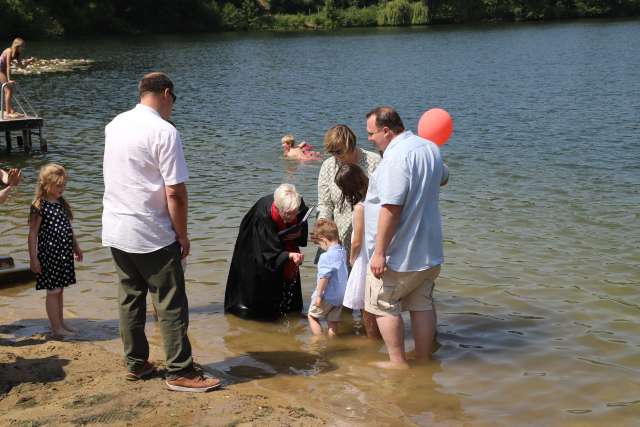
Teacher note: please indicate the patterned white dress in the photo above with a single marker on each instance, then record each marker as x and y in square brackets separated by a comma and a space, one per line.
[354, 295]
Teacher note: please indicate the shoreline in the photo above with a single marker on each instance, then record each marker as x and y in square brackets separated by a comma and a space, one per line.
[89, 385]
[438, 24]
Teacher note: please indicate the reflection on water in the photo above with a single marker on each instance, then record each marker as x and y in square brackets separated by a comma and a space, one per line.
[537, 302]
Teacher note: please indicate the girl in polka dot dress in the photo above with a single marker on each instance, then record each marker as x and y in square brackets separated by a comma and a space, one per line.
[52, 245]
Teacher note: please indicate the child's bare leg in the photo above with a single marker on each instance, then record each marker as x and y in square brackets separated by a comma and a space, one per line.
[64, 325]
[370, 325]
[8, 93]
[314, 324]
[333, 328]
[7, 100]
[53, 313]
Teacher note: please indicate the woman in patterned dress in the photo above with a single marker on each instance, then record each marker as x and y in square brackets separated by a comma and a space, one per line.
[52, 244]
[340, 143]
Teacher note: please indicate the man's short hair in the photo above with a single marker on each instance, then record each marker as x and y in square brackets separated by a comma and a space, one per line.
[155, 82]
[387, 117]
[286, 198]
[325, 228]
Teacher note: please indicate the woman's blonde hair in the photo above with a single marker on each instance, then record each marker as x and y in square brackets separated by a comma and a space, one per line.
[289, 140]
[51, 174]
[286, 198]
[340, 137]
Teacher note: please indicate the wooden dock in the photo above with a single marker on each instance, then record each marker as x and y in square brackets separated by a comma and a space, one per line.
[23, 129]
[27, 124]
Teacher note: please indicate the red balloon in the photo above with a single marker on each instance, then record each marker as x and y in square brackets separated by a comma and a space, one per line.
[435, 125]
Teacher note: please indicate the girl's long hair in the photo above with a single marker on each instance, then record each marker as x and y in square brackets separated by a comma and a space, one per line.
[17, 43]
[51, 174]
[353, 183]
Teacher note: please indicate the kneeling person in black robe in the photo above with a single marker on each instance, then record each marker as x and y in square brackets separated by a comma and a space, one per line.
[264, 279]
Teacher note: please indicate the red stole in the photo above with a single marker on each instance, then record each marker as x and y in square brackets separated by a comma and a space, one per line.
[290, 267]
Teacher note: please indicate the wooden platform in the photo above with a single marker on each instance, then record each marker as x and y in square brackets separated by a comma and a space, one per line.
[27, 126]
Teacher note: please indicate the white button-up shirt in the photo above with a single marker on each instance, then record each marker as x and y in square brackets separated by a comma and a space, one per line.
[142, 154]
[409, 175]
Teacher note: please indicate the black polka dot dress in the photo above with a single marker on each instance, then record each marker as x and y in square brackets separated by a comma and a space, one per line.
[55, 248]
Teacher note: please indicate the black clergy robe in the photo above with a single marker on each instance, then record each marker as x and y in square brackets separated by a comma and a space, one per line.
[256, 278]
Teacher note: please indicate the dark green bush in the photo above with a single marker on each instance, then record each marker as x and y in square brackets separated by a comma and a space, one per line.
[43, 18]
[358, 17]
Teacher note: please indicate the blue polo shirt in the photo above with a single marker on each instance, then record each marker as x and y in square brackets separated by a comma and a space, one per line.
[409, 175]
[333, 265]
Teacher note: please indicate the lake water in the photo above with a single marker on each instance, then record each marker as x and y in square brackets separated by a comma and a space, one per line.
[538, 302]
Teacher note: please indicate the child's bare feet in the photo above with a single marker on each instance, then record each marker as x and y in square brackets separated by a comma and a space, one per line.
[390, 365]
[68, 328]
[316, 339]
[61, 333]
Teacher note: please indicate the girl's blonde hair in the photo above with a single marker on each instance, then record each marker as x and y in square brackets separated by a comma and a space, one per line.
[51, 174]
[17, 43]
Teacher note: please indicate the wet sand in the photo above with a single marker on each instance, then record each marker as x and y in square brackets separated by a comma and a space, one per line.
[66, 383]
[268, 377]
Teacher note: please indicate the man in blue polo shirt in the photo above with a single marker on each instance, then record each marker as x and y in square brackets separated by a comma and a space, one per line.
[403, 233]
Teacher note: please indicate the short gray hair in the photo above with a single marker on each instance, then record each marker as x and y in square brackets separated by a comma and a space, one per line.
[286, 198]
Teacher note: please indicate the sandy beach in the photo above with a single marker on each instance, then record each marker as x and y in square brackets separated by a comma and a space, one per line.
[66, 383]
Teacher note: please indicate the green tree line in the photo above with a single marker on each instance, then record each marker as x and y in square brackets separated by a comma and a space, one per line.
[45, 18]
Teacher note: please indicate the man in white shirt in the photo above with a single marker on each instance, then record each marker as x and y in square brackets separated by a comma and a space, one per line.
[144, 222]
[403, 234]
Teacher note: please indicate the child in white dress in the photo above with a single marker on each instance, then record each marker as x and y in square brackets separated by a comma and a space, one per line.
[353, 183]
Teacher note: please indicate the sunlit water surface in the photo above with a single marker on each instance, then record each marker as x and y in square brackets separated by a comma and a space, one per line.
[538, 302]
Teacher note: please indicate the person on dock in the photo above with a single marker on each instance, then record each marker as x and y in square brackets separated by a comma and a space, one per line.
[7, 56]
[53, 245]
[403, 234]
[11, 178]
[302, 151]
[144, 222]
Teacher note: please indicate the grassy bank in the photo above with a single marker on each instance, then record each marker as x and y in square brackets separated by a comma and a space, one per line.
[46, 18]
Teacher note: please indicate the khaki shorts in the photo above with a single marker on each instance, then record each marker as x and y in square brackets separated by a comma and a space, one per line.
[398, 291]
[326, 311]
